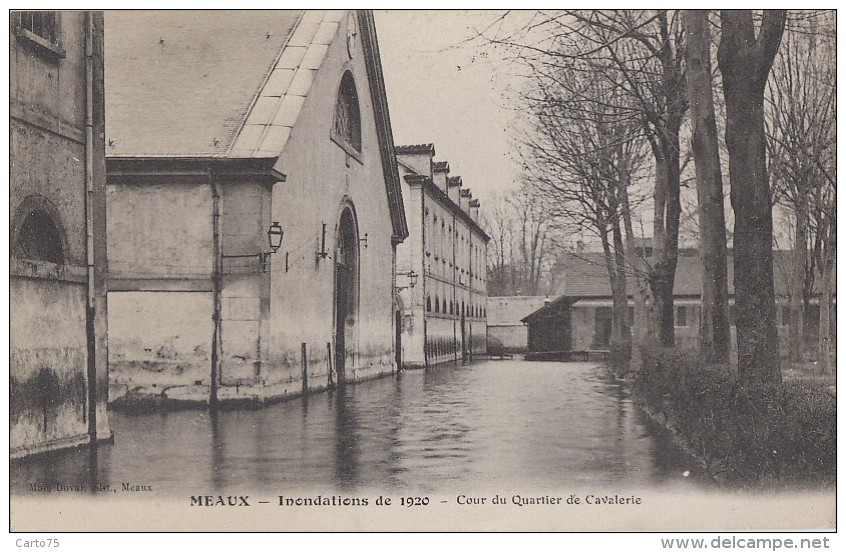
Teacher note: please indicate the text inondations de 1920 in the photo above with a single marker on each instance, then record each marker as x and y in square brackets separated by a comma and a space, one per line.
[466, 500]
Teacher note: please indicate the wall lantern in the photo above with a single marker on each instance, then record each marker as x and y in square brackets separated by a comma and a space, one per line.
[412, 279]
[274, 237]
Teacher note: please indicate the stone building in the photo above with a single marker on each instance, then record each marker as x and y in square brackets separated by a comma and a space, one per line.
[444, 313]
[506, 331]
[579, 317]
[254, 205]
[58, 379]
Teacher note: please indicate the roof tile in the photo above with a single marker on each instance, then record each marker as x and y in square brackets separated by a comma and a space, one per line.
[326, 32]
[304, 33]
[314, 56]
[301, 83]
[288, 111]
[291, 57]
[278, 83]
[276, 135]
[263, 110]
[248, 139]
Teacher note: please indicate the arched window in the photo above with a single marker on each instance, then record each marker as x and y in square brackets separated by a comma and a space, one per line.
[39, 238]
[437, 304]
[347, 127]
[428, 303]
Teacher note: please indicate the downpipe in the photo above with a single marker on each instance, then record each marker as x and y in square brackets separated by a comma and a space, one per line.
[90, 312]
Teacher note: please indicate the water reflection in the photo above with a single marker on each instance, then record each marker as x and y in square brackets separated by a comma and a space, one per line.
[514, 424]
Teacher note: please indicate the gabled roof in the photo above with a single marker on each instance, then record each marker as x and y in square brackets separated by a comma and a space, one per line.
[552, 309]
[584, 275]
[227, 84]
[181, 83]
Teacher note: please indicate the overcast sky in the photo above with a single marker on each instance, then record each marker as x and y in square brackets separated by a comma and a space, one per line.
[451, 93]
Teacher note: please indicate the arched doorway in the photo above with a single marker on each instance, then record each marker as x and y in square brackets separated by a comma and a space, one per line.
[346, 290]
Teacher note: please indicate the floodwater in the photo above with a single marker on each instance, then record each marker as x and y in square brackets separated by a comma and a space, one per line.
[516, 424]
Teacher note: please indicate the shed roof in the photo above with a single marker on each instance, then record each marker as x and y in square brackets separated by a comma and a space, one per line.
[585, 275]
[509, 310]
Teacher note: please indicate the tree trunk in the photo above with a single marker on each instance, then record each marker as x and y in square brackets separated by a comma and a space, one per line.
[828, 331]
[642, 329]
[665, 241]
[745, 63]
[714, 330]
[796, 288]
[621, 336]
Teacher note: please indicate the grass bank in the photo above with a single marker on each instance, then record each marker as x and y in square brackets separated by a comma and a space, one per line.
[767, 435]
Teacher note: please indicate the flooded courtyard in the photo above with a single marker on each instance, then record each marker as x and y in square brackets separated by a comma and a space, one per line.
[517, 424]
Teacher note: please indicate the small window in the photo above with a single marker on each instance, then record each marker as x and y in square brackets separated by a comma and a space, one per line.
[347, 127]
[39, 238]
[428, 303]
[681, 317]
[41, 28]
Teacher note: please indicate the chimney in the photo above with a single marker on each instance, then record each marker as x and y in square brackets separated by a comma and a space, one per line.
[418, 157]
[440, 170]
[466, 196]
[454, 188]
[474, 210]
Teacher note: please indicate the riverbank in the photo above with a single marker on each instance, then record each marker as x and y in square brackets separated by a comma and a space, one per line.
[764, 436]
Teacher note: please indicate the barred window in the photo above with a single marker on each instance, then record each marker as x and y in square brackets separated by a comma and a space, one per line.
[40, 23]
[40, 30]
[347, 125]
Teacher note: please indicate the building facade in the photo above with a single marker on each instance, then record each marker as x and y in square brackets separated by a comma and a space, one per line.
[506, 331]
[579, 318]
[254, 205]
[58, 379]
[444, 314]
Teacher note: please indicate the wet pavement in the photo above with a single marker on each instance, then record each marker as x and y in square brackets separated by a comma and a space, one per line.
[516, 424]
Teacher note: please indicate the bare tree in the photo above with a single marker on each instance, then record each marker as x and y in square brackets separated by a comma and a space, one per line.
[532, 217]
[801, 120]
[745, 61]
[498, 224]
[519, 256]
[580, 153]
[714, 331]
[641, 55]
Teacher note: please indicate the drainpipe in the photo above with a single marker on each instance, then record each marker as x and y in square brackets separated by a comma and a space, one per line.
[217, 277]
[424, 276]
[90, 334]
